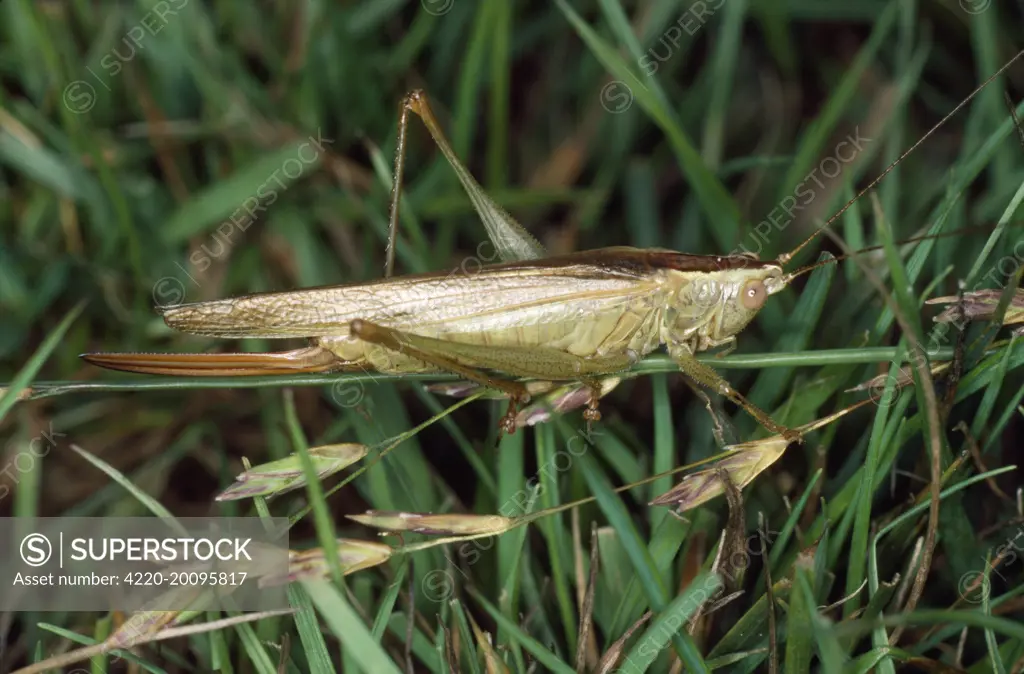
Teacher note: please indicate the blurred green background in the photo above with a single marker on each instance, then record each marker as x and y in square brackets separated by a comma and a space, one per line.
[180, 150]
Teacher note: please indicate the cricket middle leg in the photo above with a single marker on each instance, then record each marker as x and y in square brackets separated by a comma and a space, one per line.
[427, 350]
[474, 361]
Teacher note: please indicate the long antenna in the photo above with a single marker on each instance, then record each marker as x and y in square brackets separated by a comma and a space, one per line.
[784, 258]
[917, 239]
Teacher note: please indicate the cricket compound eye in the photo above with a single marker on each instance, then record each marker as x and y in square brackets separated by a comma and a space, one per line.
[753, 295]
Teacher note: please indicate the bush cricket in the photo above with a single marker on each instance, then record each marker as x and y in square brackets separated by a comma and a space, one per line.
[577, 317]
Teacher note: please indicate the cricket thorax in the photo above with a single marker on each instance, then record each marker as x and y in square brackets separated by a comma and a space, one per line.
[711, 308]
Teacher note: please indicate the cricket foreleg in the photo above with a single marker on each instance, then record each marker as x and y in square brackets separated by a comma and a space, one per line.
[438, 353]
[729, 344]
[706, 376]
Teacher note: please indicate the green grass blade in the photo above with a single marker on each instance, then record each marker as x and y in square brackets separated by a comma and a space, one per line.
[671, 620]
[13, 389]
[716, 202]
[356, 639]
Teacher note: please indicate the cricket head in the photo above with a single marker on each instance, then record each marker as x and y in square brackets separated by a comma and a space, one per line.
[744, 292]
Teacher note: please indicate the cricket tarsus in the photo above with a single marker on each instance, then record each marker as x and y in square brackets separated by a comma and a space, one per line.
[592, 413]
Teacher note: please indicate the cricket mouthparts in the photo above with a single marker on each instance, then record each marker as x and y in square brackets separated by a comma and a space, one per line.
[778, 284]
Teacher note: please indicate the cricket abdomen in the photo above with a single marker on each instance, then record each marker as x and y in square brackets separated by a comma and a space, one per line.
[552, 340]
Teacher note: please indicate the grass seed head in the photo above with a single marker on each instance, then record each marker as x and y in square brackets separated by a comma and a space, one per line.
[286, 474]
[904, 378]
[742, 464]
[426, 523]
[980, 305]
[353, 555]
